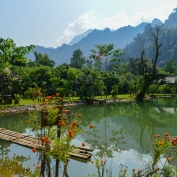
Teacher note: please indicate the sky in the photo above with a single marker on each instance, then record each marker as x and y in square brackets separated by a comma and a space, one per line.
[51, 23]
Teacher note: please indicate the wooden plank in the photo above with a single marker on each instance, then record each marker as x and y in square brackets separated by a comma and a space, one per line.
[30, 138]
[10, 137]
[29, 142]
[83, 148]
[8, 132]
[28, 145]
[5, 137]
[85, 155]
[17, 140]
[79, 155]
[80, 151]
[32, 142]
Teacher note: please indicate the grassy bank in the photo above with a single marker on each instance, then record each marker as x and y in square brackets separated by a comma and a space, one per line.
[126, 97]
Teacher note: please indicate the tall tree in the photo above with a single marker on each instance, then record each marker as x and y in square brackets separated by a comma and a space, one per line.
[171, 67]
[43, 59]
[107, 53]
[154, 34]
[149, 74]
[10, 54]
[78, 60]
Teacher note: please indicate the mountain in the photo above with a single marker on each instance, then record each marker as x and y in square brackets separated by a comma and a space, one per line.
[156, 21]
[168, 50]
[119, 37]
[79, 37]
[171, 22]
[122, 38]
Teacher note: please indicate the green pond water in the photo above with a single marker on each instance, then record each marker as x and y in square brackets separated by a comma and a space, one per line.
[120, 134]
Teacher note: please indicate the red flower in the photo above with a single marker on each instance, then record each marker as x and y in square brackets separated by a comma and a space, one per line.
[57, 94]
[43, 138]
[74, 123]
[79, 115]
[65, 111]
[167, 138]
[34, 150]
[47, 141]
[63, 124]
[91, 126]
[139, 171]
[169, 159]
[71, 135]
[70, 131]
[27, 121]
[49, 97]
[160, 143]
[83, 144]
[46, 100]
[166, 134]
[71, 127]
[61, 98]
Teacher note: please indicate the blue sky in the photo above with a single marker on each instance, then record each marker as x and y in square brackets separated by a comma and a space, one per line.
[51, 23]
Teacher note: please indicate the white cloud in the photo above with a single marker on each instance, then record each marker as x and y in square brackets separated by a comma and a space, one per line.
[90, 20]
[121, 18]
[87, 21]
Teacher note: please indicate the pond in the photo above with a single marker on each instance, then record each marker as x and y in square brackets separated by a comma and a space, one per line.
[120, 135]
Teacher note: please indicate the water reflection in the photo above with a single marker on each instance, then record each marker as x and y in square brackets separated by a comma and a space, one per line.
[131, 120]
[120, 133]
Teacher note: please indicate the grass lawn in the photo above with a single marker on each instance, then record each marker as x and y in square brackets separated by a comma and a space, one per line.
[66, 99]
[121, 96]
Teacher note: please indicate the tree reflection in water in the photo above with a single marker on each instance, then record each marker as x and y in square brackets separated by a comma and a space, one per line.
[117, 127]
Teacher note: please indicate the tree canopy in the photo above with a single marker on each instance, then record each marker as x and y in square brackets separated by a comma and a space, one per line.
[77, 60]
[10, 54]
[43, 59]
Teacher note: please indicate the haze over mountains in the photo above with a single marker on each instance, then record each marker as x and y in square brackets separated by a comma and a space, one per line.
[168, 50]
[120, 38]
[79, 37]
[86, 41]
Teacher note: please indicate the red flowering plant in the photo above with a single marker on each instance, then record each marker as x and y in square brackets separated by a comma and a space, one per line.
[54, 128]
[100, 164]
[14, 166]
[162, 146]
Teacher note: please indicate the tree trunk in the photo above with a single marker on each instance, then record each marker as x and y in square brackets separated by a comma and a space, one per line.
[141, 95]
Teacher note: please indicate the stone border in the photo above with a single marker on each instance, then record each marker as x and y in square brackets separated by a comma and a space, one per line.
[32, 107]
[19, 109]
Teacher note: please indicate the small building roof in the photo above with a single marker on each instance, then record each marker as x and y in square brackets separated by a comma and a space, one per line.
[8, 74]
[168, 80]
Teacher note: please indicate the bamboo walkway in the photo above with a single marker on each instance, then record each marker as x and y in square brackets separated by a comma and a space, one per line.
[32, 142]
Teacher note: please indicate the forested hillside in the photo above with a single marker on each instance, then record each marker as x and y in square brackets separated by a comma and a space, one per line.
[123, 38]
[119, 38]
[168, 38]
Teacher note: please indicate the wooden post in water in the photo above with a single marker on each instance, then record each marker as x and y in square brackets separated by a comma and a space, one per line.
[58, 136]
